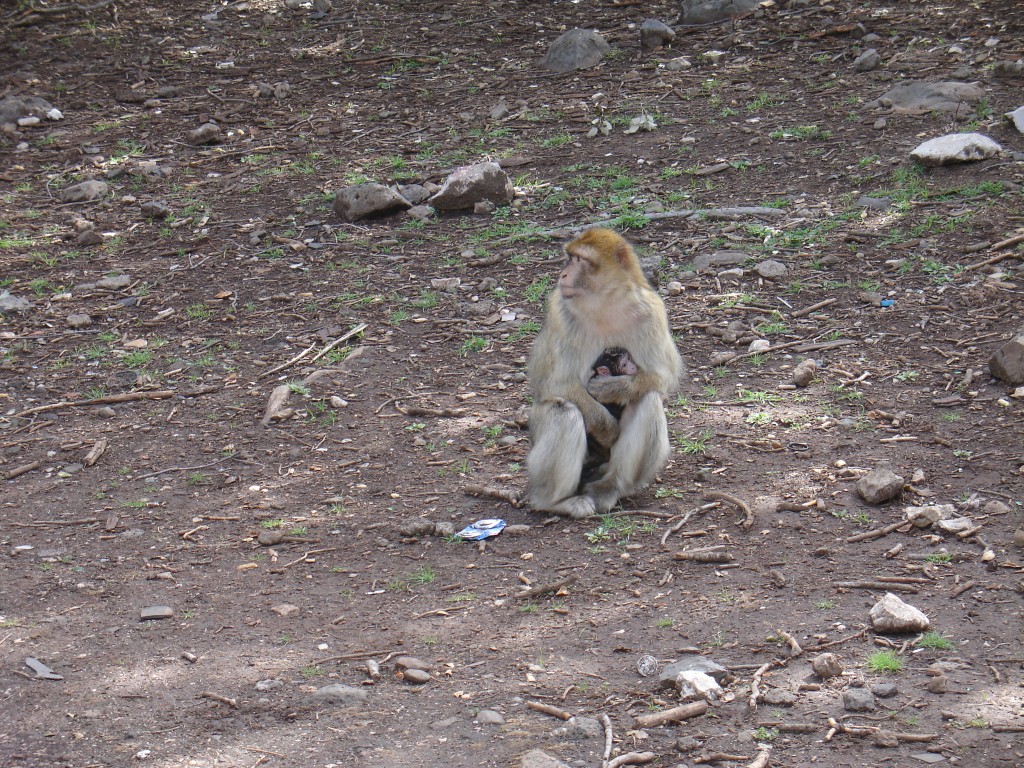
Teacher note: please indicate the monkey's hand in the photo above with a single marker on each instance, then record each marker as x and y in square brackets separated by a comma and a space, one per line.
[613, 389]
[606, 431]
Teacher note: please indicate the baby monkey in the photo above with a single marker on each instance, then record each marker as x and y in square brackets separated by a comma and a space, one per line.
[615, 362]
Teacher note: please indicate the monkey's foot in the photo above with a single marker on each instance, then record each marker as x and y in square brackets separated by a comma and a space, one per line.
[576, 507]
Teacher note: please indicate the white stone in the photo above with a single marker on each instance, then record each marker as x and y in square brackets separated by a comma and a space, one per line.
[890, 614]
[922, 517]
[955, 148]
[1017, 118]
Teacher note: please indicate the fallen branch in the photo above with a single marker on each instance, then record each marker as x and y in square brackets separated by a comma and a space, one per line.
[876, 585]
[344, 337]
[233, 703]
[794, 646]
[761, 761]
[755, 684]
[548, 709]
[186, 469]
[674, 715]
[19, 471]
[302, 559]
[43, 523]
[719, 757]
[486, 491]
[632, 758]
[748, 515]
[813, 307]
[877, 533]
[544, 589]
[607, 723]
[416, 410]
[124, 397]
[685, 519]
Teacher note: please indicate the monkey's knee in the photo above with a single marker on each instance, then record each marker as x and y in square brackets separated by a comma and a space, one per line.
[555, 461]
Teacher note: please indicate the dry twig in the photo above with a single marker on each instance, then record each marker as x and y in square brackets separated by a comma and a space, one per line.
[748, 515]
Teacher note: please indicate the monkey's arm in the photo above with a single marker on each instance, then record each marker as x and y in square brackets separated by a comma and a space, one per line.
[600, 424]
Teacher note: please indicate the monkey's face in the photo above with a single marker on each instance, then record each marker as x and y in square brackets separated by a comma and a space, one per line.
[575, 278]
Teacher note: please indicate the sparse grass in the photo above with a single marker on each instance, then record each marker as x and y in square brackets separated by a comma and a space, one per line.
[424, 575]
[935, 641]
[695, 446]
[802, 133]
[665, 623]
[538, 290]
[471, 345]
[763, 733]
[885, 662]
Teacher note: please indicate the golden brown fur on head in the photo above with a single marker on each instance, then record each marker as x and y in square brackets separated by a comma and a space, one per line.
[604, 248]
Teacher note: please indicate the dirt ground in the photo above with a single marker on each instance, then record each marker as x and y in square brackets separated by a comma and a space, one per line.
[139, 474]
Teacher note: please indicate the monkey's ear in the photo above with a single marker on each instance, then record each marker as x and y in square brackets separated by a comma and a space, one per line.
[623, 254]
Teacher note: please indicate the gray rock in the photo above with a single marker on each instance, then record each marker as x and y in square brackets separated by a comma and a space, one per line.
[922, 517]
[654, 34]
[88, 238]
[712, 11]
[537, 759]
[416, 526]
[207, 133]
[892, 615]
[867, 61]
[1009, 68]
[697, 685]
[704, 261]
[1017, 118]
[955, 148]
[363, 200]
[285, 609]
[421, 213]
[779, 698]
[880, 485]
[874, 203]
[678, 64]
[42, 671]
[921, 98]
[155, 209]
[499, 111]
[580, 728]
[1007, 362]
[884, 690]
[955, 525]
[472, 184]
[575, 49]
[827, 665]
[414, 193]
[268, 685]
[858, 700]
[687, 744]
[489, 717]
[416, 676]
[114, 282]
[12, 108]
[669, 675]
[444, 529]
[771, 269]
[79, 320]
[804, 372]
[338, 694]
[411, 662]
[153, 612]
[85, 192]
[10, 304]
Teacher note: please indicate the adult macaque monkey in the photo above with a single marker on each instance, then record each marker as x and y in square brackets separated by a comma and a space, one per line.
[602, 302]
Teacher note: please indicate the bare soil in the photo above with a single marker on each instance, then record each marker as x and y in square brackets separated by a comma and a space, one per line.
[252, 269]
